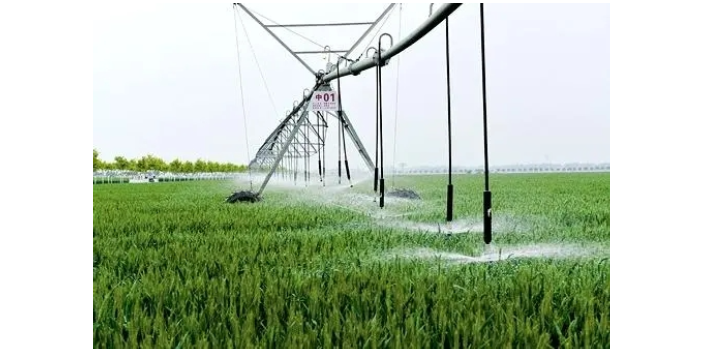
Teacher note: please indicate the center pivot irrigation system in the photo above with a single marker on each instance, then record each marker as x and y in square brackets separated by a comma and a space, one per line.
[301, 134]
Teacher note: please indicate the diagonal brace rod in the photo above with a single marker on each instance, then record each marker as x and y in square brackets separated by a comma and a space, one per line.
[347, 125]
[283, 150]
[275, 37]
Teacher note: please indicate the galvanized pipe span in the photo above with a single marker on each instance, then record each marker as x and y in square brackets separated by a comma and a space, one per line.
[435, 19]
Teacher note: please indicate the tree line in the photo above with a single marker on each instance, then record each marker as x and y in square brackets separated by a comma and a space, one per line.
[153, 163]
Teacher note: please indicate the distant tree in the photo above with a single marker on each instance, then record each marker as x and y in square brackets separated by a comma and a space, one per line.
[142, 164]
[175, 165]
[188, 167]
[212, 166]
[151, 162]
[97, 163]
[121, 163]
[132, 166]
[200, 165]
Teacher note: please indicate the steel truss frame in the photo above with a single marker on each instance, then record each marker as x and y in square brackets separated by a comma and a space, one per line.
[301, 134]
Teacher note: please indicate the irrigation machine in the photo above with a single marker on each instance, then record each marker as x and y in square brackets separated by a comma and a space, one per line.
[297, 144]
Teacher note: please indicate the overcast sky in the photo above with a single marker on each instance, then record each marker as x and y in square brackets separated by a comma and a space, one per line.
[165, 81]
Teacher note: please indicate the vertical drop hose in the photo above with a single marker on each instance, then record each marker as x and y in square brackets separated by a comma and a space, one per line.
[487, 192]
[381, 131]
[339, 131]
[343, 125]
[450, 190]
[376, 150]
[320, 164]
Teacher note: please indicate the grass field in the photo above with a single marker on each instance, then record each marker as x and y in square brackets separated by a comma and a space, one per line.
[174, 266]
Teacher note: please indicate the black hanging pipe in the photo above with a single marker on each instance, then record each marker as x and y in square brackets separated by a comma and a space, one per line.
[320, 164]
[308, 162]
[487, 192]
[450, 190]
[305, 144]
[284, 163]
[281, 164]
[381, 126]
[296, 160]
[339, 153]
[309, 147]
[325, 133]
[306, 156]
[342, 128]
[280, 172]
[376, 156]
[339, 133]
[380, 140]
[347, 164]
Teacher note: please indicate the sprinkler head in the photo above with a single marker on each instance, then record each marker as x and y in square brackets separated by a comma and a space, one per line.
[448, 230]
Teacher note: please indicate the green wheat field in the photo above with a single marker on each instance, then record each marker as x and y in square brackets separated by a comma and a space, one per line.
[174, 266]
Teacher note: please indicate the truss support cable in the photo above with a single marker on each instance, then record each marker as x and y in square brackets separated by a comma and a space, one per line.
[371, 39]
[287, 27]
[487, 192]
[450, 190]
[256, 60]
[398, 75]
[244, 110]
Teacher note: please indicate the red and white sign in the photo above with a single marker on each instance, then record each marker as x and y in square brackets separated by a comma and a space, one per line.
[324, 101]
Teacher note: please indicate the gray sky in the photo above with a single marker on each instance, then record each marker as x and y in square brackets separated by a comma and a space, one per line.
[165, 81]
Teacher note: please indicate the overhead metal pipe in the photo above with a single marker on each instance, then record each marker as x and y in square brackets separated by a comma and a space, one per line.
[435, 19]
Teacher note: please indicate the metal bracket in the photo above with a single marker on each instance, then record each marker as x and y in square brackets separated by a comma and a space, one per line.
[381, 50]
[326, 52]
